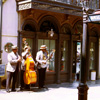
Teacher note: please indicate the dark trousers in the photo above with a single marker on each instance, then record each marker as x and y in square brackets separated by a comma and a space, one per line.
[11, 76]
[41, 73]
[22, 79]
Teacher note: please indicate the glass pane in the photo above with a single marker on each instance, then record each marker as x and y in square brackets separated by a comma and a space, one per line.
[50, 45]
[46, 42]
[52, 60]
[51, 67]
[62, 68]
[64, 55]
[40, 42]
[92, 56]
[64, 63]
[30, 42]
[78, 57]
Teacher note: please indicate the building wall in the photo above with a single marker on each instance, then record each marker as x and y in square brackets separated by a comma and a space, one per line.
[9, 26]
[99, 58]
[37, 16]
[9, 30]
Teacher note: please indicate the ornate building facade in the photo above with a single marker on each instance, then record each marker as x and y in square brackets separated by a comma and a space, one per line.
[34, 19]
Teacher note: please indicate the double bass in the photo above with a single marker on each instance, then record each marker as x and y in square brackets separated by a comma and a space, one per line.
[30, 76]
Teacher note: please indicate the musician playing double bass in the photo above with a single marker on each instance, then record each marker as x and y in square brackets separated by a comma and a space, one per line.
[41, 57]
[25, 54]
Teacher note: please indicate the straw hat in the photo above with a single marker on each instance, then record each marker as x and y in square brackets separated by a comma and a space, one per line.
[14, 47]
[43, 47]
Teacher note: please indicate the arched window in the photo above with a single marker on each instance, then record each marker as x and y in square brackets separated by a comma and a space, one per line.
[78, 28]
[47, 26]
[47, 23]
[29, 25]
[66, 29]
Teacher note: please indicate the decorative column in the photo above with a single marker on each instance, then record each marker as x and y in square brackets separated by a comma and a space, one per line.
[71, 58]
[58, 60]
[19, 51]
[82, 88]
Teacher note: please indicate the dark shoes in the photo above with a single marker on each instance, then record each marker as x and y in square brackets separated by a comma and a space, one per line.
[39, 87]
[7, 91]
[22, 89]
[43, 87]
[27, 89]
[13, 90]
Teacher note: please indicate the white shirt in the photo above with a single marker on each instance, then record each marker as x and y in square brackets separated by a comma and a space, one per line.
[12, 61]
[40, 59]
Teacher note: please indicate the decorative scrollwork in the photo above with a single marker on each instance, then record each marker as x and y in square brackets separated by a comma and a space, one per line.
[25, 6]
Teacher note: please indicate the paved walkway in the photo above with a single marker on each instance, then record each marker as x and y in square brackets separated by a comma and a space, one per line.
[65, 91]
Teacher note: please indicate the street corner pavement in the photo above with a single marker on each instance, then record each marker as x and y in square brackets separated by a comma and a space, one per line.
[54, 92]
[43, 94]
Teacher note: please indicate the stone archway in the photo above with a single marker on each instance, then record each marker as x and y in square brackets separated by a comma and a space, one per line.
[29, 25]
[47, 23]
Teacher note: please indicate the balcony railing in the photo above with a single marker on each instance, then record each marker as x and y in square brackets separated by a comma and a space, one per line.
[92, 4]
